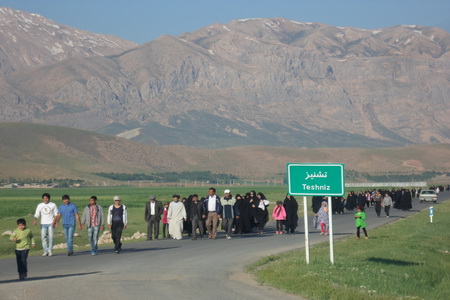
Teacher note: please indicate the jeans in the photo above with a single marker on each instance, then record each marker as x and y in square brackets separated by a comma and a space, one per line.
[47, 237]
[21, 258]
[93, 237]
[69, 230]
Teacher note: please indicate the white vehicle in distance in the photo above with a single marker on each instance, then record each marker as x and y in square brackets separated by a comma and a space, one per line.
[428, 196]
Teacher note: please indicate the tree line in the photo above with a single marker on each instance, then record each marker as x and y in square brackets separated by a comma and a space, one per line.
[168, 176]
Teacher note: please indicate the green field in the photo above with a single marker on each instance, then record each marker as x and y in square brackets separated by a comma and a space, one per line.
[407, 259]
[21, 203]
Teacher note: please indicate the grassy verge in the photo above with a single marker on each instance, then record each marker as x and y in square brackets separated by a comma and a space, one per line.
[407, 259]
[21, 203]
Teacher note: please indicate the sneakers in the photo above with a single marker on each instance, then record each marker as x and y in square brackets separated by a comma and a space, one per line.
[228, 237]
[45, 254]
[50, 253]
[322, 233]
[70, 253]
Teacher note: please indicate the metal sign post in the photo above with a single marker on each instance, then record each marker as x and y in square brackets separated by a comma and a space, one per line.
[316, 180]
[431, 214]
[330, 229]
[305, 217]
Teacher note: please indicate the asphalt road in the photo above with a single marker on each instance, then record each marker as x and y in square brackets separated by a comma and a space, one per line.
[169, 269]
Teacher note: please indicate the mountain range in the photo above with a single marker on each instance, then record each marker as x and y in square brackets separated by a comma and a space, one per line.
[273, 82]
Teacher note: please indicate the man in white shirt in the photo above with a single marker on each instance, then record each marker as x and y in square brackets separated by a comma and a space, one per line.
[153, 211]
[47, 211]
[214, 211]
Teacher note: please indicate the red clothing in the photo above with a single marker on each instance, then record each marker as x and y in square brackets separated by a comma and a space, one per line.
[164, 219]
[279, 213]
[93, 211]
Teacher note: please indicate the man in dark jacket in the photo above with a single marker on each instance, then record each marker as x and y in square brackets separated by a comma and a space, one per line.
[214, 210]
[196, 215]
[153, 211]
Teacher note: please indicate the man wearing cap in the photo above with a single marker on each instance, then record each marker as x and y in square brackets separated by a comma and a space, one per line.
[229, 211]
[213, 208]
[117, 221]
[153, 212]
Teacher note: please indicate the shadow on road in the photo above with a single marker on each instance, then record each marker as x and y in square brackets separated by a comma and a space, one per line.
[50, 277]
[134, 250]
[392, 261]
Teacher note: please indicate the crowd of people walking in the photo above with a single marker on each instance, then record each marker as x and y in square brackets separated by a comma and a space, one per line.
[196, 217]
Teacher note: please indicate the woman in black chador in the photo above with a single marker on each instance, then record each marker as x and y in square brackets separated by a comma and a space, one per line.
[238, 228]
[291, 207]
[262, 214]
[351, 202]
[253, 208]
[406, 202]
[317, 203]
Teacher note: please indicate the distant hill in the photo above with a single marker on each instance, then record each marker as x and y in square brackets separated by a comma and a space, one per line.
[42, 151]
[266, 82]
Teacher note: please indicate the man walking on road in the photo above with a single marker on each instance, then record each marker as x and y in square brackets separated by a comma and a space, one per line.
[93, 219]
[153, 211]
[47, 211]
[378, 199]
[196, 215]
[214, 210]
[176, 215]
[387, 203]
[229, 211]
[117, 221]
[69, 212]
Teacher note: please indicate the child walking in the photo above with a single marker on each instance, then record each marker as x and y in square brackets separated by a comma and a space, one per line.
[279, 214]
[322, 218]
[165, 221]
[23, 237]
[360, 216]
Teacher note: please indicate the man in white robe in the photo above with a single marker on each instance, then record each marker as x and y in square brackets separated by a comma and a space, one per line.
[176, 215]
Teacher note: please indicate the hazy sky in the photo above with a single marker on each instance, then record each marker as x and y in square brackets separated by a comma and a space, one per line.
[144, 20]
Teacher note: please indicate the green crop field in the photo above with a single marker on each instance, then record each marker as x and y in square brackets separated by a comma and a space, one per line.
[21, 203]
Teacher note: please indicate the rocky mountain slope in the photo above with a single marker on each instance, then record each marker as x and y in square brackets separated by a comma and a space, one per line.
[30, 40]
[252, 82]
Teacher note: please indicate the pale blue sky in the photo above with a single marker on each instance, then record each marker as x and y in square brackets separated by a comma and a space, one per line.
[144, 20]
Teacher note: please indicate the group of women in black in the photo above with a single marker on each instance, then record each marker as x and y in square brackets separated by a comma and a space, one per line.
[402, 198]
[253, 213]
